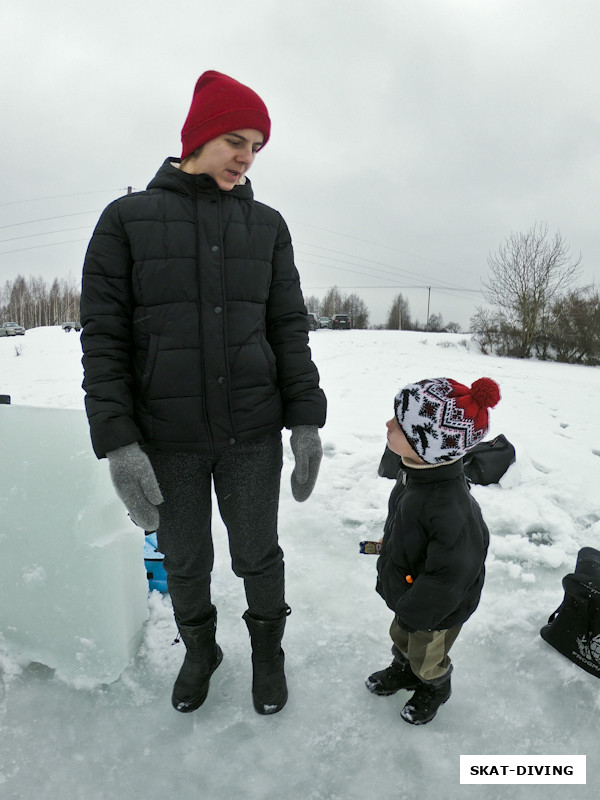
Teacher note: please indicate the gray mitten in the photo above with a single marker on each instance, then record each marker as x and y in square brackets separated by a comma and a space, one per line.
[308, 452]
[135, 482]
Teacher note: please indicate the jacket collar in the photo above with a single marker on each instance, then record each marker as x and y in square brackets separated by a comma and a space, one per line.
[171, 178]
[442, 472]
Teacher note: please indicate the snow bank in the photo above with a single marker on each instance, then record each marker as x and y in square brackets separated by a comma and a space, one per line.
[73, 586]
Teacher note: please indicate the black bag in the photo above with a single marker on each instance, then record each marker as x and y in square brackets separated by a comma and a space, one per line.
[488, 461]
[574, 628]
[485, 463]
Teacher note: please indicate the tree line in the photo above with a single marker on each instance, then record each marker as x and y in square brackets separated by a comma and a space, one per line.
[34, 303]
[398, 317]
[534, 307]
[335, 302]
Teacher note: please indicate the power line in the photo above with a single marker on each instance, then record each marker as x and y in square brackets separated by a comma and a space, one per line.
[394, 286]
[47, 233]
[38, 246]
[385, 270]
[46, 219]
[428, 280]
[392, 270]
[57, 197]
[376, 244]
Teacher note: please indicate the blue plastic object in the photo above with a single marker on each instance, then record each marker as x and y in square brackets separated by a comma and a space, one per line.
[153, 558]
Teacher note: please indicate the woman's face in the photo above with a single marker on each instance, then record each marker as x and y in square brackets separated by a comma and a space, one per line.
[226, 158]
[398, 443]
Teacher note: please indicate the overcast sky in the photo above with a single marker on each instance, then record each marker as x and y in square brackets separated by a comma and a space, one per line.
[409, 137]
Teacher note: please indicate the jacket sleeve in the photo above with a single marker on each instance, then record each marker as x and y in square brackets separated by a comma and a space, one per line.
[304, 401]
[452, 565]
[106, 318]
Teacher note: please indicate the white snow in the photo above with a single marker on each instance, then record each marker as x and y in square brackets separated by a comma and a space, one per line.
[512, 693]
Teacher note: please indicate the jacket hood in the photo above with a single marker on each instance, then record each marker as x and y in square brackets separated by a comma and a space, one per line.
[170, 178]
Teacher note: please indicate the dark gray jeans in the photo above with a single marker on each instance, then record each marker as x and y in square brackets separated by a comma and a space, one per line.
[247, 479]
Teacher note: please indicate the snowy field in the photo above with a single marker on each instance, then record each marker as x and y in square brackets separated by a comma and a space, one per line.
[512, 693]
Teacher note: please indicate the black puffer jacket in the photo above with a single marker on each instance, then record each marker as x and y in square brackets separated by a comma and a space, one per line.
[194, 327]
[434, 535]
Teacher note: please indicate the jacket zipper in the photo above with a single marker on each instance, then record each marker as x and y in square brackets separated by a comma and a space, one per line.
[200, 331]
[225, 342]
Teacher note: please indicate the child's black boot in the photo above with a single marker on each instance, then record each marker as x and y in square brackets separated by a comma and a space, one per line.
[397, 676]
[423, 705]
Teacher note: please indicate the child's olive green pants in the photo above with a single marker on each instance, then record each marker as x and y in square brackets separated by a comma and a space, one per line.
[426, 651]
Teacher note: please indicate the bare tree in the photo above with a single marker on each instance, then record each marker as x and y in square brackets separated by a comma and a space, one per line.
[435, 323]
[70, 296]
[54, 302]
[528, 273]
[313, 304]
[398, 317]
[356, 309]
[18, 301]
[574, 327]
[335, 302]
[5, 295]
[332, 302]
[485, 326]
[32, 304]
[37, 310]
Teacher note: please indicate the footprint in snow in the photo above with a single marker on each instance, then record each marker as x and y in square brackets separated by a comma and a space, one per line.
[542, 467]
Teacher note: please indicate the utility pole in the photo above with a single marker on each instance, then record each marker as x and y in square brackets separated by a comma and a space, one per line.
[428, 300]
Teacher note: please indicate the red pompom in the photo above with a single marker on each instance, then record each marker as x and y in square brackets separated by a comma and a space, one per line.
[485, 392]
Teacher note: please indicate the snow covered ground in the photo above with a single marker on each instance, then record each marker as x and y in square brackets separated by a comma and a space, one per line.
[512, 693]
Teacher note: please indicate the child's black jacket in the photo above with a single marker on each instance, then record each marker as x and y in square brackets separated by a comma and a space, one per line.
[435, 534]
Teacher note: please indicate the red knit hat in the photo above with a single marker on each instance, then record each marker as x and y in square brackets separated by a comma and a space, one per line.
[443, 419]
[220, 104]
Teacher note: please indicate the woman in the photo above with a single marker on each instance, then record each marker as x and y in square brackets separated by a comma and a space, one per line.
[196, 356]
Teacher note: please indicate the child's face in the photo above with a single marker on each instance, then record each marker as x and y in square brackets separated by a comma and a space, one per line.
[398, 443]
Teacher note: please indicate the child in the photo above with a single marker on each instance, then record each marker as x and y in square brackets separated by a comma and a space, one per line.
[431, 567]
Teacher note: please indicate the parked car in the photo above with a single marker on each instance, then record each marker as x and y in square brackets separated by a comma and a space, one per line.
[340, 322]
[324, 322]
[11, 329]
[71, 326]
[313, 321]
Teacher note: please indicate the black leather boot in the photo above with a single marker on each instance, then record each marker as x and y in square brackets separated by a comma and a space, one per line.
[203, 656]
[423, 705]
[269, 687]
[390, 680]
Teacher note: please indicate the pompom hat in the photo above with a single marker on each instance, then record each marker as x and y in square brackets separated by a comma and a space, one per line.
[442, 419]
[221, 104]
